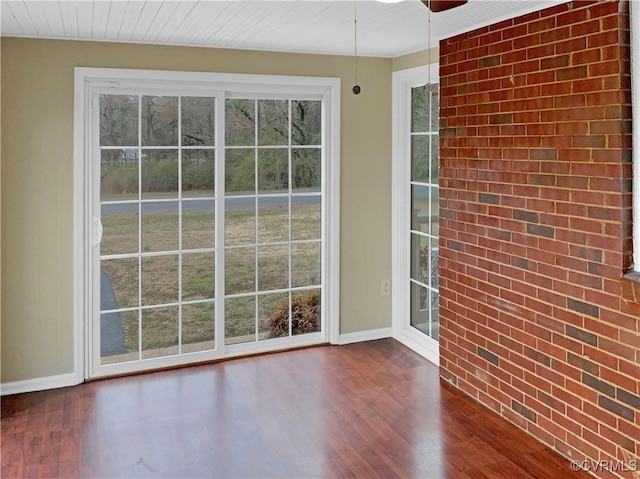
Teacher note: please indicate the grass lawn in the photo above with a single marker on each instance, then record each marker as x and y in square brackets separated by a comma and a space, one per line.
[247, 269]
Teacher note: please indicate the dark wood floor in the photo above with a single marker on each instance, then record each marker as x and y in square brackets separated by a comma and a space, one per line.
[366, 410]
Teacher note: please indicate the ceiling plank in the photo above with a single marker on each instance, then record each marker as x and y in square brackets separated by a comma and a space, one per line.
[147, 17]
[157, 25]
[21, 14]
[130, 20]
[99, 19]
[174, 23]
[53, 17]
[69, 19]
[199, 20]
[38, 17]
[84, 16]
[10, 23]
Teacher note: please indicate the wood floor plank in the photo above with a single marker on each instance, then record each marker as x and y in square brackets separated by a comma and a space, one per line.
[365, 410]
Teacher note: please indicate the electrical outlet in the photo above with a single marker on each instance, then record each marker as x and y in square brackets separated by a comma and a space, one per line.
[385, 288]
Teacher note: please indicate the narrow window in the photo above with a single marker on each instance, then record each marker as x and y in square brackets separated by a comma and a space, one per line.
[416, 209]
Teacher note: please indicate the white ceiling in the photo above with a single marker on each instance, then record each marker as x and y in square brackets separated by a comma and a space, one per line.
[308, 26]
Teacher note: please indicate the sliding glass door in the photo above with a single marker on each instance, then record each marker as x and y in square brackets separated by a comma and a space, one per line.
[207, 225]
[273, 222]
[158, 216]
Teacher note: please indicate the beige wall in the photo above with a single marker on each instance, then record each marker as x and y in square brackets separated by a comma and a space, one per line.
[417, 59]
[37, 184]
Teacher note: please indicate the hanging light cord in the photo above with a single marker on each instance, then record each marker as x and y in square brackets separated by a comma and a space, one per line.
[356, 87]
[429, 44]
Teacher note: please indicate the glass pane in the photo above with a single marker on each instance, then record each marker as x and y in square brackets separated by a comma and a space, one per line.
[198, 327]
[434, 270]
[240, 320]
[159, 174]
[306, 122]
[112, 335]
[273, 170]
[435, 314]
[240, 221]
[198, 227]
[420, 158]
[198, 173]
[273, 315]
[159, 121]
[420, 258]
[306, 217]
[119, 335]
[435, 208]
[307, 173]
[198, 121]
[240, 270]
[160, 226]
[305, 264]
[240, 171]
[273, 267]
[420, 308]
[421, 212]
[159, 332]
[119, 228]
[424, 310]
[420, 121]
[240, 122]
[131, 321]
[435, 105]
[198, 276]
[159, 280]
[273, 122]
[119, 174]
[118, 283]
[305, 312]
[434, 159]
[118, 120]
[273, 219]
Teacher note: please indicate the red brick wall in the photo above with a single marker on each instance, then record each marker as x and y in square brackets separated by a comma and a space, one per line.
[535, 231]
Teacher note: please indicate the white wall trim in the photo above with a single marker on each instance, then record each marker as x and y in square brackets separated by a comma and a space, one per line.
[70, 379]
[38, 384]
[332, 233]
[80, 310]
[360, 336]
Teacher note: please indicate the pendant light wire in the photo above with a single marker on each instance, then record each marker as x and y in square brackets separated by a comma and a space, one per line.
[355, 38]
[429, 47]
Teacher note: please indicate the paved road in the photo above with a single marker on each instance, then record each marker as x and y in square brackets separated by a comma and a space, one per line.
[111, 328]
[110, 208]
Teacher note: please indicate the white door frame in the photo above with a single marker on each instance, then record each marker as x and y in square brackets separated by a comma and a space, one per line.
[86, 79]
[402, 82]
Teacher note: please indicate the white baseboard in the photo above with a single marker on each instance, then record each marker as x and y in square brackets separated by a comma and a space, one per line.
[38, 384]
[419, 343]
[66, 380]
[361, 336]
